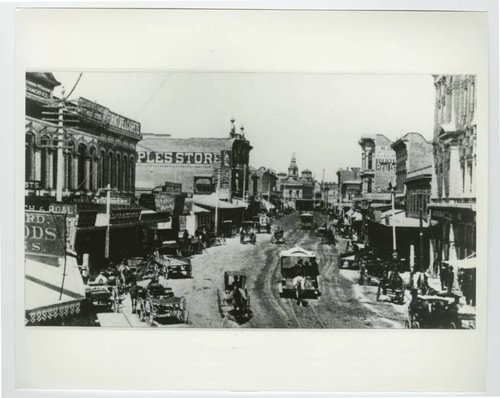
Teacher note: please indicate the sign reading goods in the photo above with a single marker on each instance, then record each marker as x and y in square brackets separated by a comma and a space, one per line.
[44, 233]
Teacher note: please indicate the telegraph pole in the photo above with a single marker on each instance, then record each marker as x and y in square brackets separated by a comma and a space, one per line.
[421, 243]
[60, 156]
[108, 216]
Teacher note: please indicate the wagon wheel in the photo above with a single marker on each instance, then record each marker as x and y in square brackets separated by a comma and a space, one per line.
[452, 325]
[402, 296]
[149, 312]
[139, 309]
[378, 292]
[407, 324]
[115, 304]
[415, 325]
[183, 314]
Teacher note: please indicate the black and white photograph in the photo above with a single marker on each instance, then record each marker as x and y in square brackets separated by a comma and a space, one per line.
[250, 200]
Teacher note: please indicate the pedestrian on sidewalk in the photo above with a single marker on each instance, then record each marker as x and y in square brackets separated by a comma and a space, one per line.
[443, 276]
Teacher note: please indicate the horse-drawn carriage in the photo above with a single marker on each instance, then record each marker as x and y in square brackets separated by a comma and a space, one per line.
[227, 229]
[233, 299]
[109, 294]
[299, 274]
[247, 233]
[172, 262]
[156, 302]
[278, 236]
[437, 312]
[391, 284]
[262, 223]
[307, 221]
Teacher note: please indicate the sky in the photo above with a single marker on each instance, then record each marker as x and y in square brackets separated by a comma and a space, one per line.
[319, 117]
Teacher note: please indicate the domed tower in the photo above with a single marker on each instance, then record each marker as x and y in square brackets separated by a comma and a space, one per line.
[293, 170]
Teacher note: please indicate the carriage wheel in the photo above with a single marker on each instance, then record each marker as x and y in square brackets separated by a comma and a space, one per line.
[149, 312]
[378, 292]
[452, 325]
[139, 309]
[407, 325]
[415, 325]
[115, 305]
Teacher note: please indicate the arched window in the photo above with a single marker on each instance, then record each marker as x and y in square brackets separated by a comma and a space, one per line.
[92, 171]
[45, 142]
[111, 170]
[119, 172]
[126, 172]
[30, 156]
[132, 174]
[102, 170]
[68, 165]
[82, 176]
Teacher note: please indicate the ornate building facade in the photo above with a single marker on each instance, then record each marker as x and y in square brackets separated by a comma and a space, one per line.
[453, 198]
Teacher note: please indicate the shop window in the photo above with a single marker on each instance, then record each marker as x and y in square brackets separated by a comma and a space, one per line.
[203, 185]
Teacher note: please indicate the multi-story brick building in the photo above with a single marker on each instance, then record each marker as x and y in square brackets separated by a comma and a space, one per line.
[196, 163]
[453, 199]
[414, 155]
[348, 183]
[378, 166]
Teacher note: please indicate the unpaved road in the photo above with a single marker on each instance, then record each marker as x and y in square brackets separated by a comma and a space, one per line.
[344, 304]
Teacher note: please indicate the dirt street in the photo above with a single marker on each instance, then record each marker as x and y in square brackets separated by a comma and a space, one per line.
[343, 304]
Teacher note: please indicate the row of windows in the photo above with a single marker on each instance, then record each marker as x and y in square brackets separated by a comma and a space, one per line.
[83, 169]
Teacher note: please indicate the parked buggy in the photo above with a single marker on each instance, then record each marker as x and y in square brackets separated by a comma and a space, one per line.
[391, 284]
[437, 312]
[234, 300]
[262, 224]
[159, 302]
[227, 229]
[109, 295]
[247, 233]
[299, 275]
[171, 262]
[278, 236]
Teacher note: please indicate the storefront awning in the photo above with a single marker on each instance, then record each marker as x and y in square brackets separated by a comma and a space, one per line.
[401, 221]
[198, 209]
[211, 201]
[43, 283]
[466, 263]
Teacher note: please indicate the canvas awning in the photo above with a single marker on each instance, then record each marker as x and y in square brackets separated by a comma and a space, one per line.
[211, 201]
[297, 252]
[466, 263]
[46, 297]
[401, 221]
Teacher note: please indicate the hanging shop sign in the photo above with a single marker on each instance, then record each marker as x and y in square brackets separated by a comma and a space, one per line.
[123, 216]
[173, 188]
[164, 202]
[156, 217]
[122, 124]
[44, 234]
[69, 209]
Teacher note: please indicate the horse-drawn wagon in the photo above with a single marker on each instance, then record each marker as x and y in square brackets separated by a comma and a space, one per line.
[437, 312]
[299, 274]
[109, 294]
[278, 236]
[233, 299]
[391, 284]
[247, 232]
[157, 302]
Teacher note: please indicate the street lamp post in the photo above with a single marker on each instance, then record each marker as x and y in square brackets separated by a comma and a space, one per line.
[392, 188]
